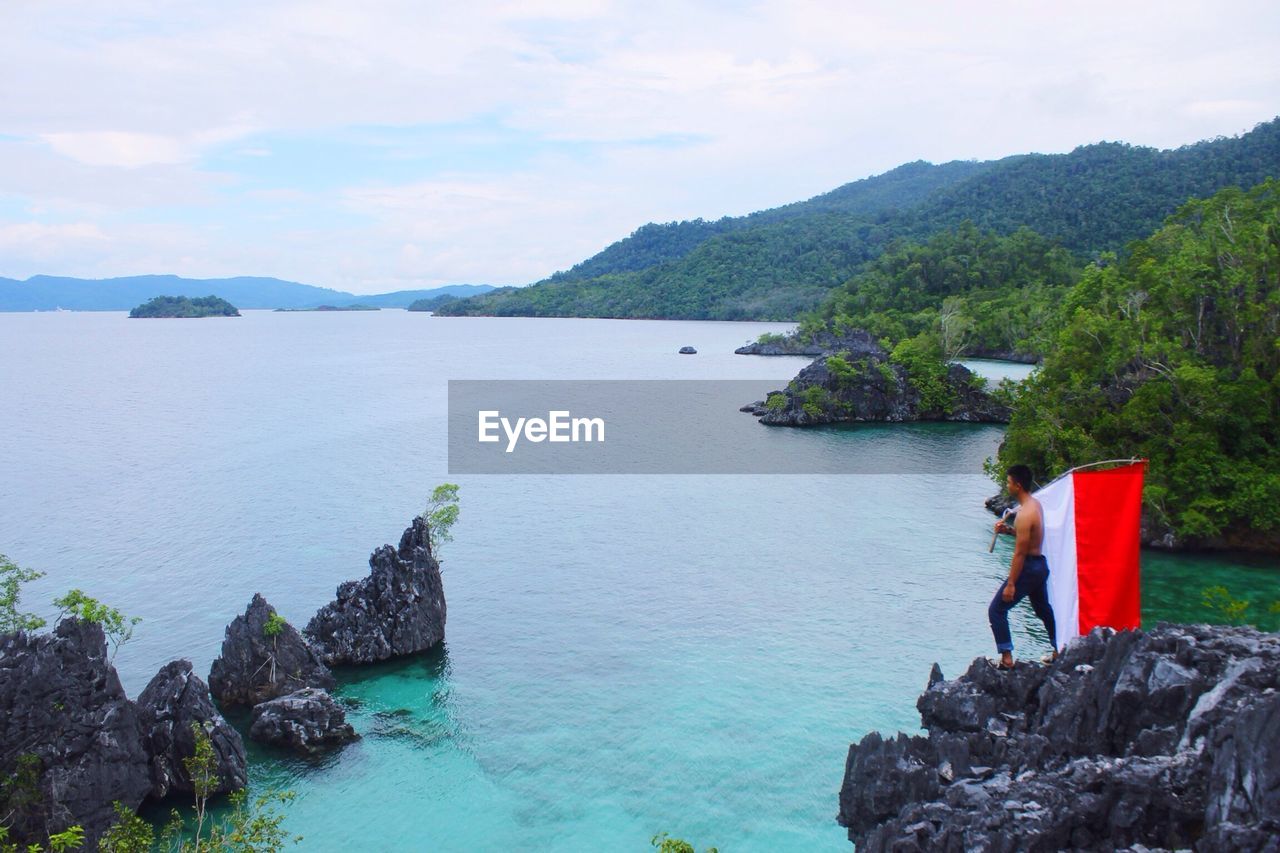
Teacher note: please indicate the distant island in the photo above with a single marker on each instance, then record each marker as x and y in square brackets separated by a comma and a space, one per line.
[185, 306]
[332, 308]
[47, 293]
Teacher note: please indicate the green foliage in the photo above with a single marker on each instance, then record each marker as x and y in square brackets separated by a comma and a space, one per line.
[20, 787]
[1223, 607]
[274, 625]
[775, 402]
[1219, 601]
[780, 264]
[129, 834]
[185, 306]
[666, 844]
[117, 626]
[845, 373]
[1172, 355]
[432, 303]
[245, 829]
[922, 358]
[978, 292]
[12, 577]
[816, 401]
[20, 791]
[440, 515]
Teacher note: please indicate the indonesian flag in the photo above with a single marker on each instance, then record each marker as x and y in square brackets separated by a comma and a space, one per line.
[1091, 523]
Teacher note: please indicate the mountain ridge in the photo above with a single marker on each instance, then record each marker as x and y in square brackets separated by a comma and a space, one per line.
[781, 263]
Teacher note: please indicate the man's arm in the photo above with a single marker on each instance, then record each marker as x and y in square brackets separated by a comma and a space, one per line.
[1021, 545]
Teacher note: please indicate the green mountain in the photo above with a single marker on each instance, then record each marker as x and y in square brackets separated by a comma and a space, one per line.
[46, 292]
[781, 263]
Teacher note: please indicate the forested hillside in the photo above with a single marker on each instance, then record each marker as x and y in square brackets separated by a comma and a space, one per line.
[1174, 355]
[983, 293]
[653, 244]
[779, 264]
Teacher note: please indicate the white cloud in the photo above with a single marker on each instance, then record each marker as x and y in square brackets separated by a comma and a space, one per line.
[109, 113]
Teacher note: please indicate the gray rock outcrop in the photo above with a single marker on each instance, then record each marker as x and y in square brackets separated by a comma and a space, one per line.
[874, 388]
[306, 721]
[176, 699]
[398, 609]
[821, 342]
[255, 667]
[67, 726]
[1167, 739]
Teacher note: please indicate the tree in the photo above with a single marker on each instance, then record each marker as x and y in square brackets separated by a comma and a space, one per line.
[440, 515]
[246, 829]
[12, 577]
[1171, 355]
[117, 626]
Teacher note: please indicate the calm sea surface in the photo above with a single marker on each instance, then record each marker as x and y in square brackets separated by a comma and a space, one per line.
[625, 655]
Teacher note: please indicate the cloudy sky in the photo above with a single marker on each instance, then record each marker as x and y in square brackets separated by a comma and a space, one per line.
[384, 145]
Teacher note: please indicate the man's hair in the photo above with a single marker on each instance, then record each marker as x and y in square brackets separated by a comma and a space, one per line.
[1021, 475]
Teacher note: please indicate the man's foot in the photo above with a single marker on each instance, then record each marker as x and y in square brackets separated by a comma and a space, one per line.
[1049, 658]
[1006, 661]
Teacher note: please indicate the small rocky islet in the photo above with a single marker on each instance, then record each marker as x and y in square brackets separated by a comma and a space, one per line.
[854, 380]
[184, 307]
[66, 722]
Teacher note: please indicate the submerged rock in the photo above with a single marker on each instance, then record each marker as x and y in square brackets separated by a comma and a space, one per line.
[67, 727]
[1167, 739]
[398, 609]
[307, 721]
[174, 700]
[255, 667]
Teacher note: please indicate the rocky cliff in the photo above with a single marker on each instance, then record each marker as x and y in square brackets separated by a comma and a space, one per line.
[257, 665]
[398, 609]
[71, 742]
[174, 700]
[1168, 739]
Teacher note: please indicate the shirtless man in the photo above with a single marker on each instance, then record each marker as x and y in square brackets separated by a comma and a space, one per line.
[1028, 571]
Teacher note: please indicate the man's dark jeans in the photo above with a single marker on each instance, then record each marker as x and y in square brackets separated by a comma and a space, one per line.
[1033, 583]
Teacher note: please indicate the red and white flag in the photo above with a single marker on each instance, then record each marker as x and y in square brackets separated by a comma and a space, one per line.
[1091, 521]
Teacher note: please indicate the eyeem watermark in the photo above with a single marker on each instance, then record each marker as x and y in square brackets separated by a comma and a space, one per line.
[682, 426]
[557, 427]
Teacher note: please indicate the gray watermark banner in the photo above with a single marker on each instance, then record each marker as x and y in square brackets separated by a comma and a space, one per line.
[681, 426]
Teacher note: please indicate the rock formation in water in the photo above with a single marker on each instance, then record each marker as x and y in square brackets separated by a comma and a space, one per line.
[821, 342]
[867, 386]
[175, 700]
[1168, 739]
[71, 742]
[306, 721]
[256, 666]
[398, 609]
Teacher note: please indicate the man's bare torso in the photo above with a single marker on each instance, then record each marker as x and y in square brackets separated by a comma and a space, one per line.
[1031, 518]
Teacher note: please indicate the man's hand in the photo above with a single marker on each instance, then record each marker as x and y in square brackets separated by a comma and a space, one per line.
[1008, 593]
[1001, 527]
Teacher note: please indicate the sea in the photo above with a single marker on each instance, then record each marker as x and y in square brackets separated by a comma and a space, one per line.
[626, 655]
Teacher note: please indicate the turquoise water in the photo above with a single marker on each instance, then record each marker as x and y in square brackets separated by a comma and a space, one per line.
[625, 655]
